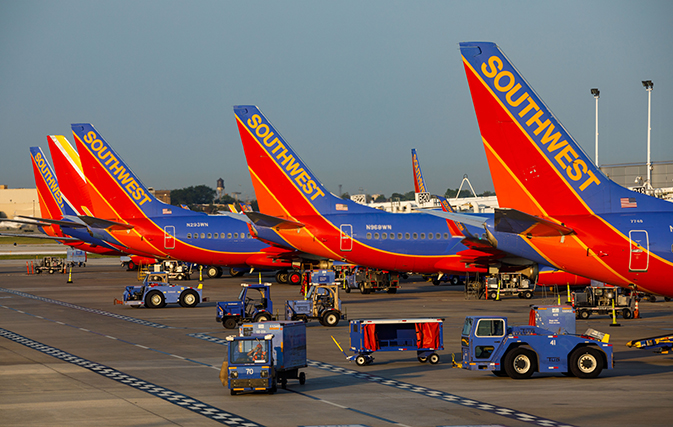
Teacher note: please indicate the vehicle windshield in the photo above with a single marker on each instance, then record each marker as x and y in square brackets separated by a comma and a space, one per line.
[240, 296]
[249, 351]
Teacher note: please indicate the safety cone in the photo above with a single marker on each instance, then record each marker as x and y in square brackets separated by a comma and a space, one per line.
[70, 275]
[27, 268]
[614, 315]
[636, 312]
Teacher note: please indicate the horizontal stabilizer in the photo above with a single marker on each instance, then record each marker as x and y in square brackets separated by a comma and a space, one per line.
[261, 220]
[70, 224]
[41, 236]
[104, 223]
[238, 216]
[517, 222]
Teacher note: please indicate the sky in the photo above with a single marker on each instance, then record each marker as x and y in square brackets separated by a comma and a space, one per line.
[353, 86]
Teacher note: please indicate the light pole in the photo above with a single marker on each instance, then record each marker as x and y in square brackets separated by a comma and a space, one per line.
[648, 85]
[597, 94]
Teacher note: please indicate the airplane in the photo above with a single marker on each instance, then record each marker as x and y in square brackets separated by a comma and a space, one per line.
[552, 196]
[297, 211]
[163, 230]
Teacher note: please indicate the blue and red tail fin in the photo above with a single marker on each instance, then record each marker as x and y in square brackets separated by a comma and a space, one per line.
[536, 166]
[284, 185]
[116, 192]
[419, 183]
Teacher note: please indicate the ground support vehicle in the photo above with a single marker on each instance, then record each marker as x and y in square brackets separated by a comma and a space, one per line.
[369, 280]
[515, 284]
[75, 257]
[176, 269]
[490, 344]
[156, 291]
[322, 302]
[50, 264]
[288, 347]
[600, 299]
[253, 305]
[662, 344]
[425, 336]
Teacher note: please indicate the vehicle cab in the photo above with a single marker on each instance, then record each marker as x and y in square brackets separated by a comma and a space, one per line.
[250, 364]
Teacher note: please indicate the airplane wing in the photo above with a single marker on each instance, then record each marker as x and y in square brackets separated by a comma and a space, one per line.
[41, 236]
[269, 221]
[517, 222]
[237, 216]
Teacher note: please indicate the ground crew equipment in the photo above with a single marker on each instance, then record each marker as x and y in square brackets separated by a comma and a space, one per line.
[265, 355]
[662, 344]
[156, 291]
[425, 336]
[599, 300]
[50, 264]
[250, 307]
[322, 302]
[489, 344]
[368, 280]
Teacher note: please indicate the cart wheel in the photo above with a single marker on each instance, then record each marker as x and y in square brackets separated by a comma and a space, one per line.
[362, 288]
[528, 295]
[236, 273]
[361, 360]
[347, 289]
[51, 271]
[180, 277]
[229, 323]
[626, 313]
[434, 358]
[302, 378]
[262, 317]
[455, 281]
[492, 295]
[584, 314]
[520, 363]
[294, 278]
[233, 392]
[422, 359]
[212, 271]
[155, 299]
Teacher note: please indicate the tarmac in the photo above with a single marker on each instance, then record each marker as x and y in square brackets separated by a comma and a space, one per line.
[70, 357]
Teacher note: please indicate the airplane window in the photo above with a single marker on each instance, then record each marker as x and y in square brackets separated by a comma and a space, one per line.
[446, 235]
[216, 235]
[189, 235]
[196, 235]
[392, 235]
[422, 235]
[369, 235]
[210, 235]
[235, 235]
[399, 236]
[228, 235]
[249, 236]
[415, 236]
[430, 235]
[438, 235]
[376, 235]
[203, 235]
[384, 236]
[406, 236]
[222, 235]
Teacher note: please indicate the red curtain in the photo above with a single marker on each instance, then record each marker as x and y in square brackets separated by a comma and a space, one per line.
[370, 338]
[427, 335]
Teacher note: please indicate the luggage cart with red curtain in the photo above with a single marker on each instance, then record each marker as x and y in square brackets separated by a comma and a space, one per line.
[425, 336]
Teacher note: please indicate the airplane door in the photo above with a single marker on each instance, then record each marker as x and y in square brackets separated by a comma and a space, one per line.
[639, 256]
[169, 237]
[346, 240]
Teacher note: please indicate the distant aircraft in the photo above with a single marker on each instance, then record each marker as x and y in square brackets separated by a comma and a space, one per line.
[60, 222]
[298, 211]
[166, 231]
[559, 204]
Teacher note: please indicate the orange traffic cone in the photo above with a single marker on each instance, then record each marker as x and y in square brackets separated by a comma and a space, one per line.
[636, 312]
